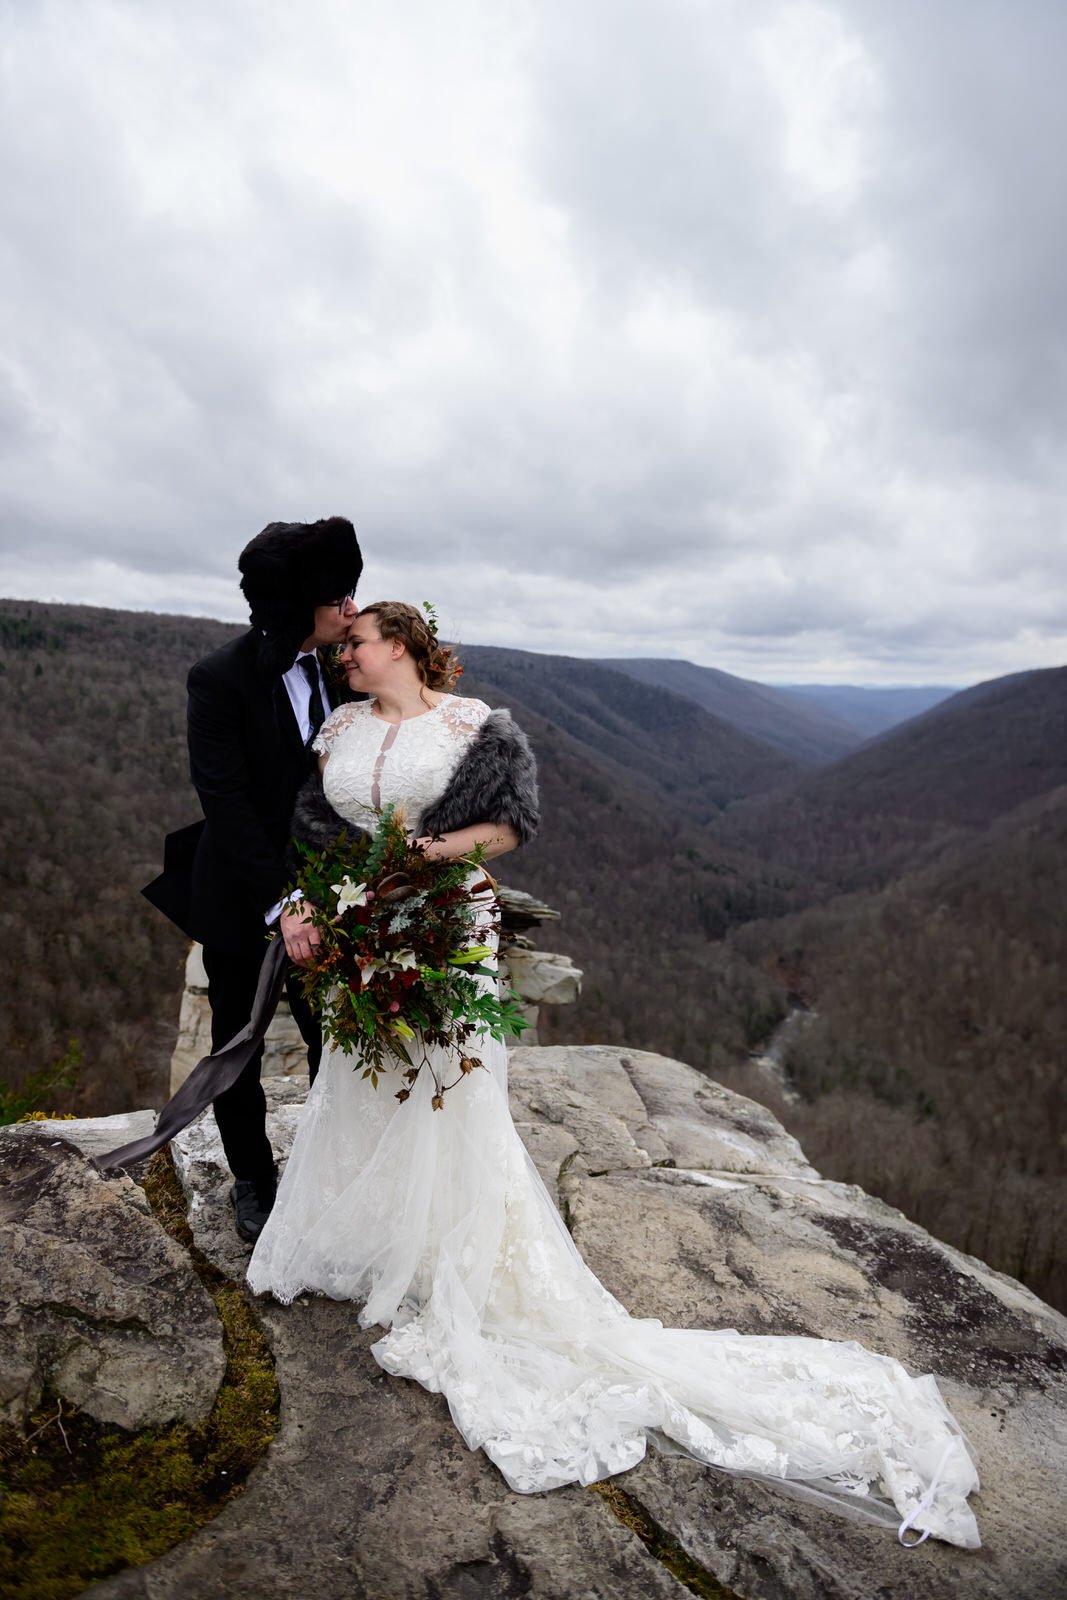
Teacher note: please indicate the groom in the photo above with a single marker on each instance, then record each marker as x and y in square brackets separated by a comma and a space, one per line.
[254, 707]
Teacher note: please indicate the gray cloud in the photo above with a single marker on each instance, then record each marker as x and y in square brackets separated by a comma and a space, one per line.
[731, 331]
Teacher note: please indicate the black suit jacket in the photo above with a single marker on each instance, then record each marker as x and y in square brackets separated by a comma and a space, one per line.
[247, 761]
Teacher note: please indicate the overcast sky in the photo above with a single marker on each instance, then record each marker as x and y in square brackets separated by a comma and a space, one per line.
[725, 329]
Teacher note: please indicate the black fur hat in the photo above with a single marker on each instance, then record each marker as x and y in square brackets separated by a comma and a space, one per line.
[288, 570]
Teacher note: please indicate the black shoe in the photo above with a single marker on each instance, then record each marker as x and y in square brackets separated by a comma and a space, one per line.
[253, 1200]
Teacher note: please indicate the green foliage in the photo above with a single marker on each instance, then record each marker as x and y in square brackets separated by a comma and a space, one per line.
[388, 847]
[398, 964]
[83, 1499]
[37, 1088]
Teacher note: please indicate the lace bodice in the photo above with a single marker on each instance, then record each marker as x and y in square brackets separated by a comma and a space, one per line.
[373, 763]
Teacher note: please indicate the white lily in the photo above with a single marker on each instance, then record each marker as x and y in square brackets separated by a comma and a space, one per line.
[349, 894]
[404, 960]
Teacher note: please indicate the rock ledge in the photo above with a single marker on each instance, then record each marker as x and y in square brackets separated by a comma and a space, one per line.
[693, 1205]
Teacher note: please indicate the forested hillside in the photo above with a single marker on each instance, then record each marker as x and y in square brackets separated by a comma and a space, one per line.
[933, 782]
[911, 893]
[933, 1070]
[95, 772]
[788, 722]
[93, 709]
[664, 739]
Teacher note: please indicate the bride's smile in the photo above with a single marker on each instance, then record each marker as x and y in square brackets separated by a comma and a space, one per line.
[386, 669]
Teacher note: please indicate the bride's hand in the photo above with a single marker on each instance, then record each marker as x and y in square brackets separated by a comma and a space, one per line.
[301, 936]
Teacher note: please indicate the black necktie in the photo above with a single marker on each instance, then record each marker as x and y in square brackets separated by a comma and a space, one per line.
[316, 709]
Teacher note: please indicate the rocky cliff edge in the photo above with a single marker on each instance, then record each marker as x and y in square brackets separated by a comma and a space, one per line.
[693, 1205]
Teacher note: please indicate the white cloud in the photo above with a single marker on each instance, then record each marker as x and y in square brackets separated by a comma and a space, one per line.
[638, 326]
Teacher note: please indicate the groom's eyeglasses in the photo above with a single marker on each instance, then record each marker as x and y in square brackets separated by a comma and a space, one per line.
[345, 598]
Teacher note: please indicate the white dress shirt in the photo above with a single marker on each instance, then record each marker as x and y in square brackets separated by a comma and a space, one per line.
[298, 688]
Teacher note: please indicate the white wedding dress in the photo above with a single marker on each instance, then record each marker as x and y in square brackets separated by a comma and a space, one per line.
[437, 1224]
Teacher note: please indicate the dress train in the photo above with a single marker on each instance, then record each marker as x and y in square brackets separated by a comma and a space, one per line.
[438, 1225]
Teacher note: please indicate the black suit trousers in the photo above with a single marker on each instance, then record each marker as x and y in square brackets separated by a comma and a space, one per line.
[240, 1113]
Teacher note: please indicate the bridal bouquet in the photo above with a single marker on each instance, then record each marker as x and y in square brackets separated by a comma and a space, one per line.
[398, 966]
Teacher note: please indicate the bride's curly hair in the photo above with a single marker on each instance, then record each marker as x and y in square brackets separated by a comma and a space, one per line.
[435, 662]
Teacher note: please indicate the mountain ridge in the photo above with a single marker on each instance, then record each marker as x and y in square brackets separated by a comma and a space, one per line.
[803, 731]
[871, 708]
[951, 771]
[698, 759]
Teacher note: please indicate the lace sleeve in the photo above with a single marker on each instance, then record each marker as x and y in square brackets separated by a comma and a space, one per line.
[335, 725]
[462, 717]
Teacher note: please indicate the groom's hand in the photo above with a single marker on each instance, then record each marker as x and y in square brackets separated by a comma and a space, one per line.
[301, 936]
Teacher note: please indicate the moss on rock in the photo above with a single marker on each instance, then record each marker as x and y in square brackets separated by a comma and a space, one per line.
[661, 1545]
[82, 1499]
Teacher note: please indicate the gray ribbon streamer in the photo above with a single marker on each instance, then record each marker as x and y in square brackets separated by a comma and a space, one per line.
[213, 1074]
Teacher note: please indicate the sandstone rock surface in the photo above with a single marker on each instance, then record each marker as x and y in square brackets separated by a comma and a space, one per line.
[93, 1136]
[693, 1205]
[96, 1299]
[725, 1240]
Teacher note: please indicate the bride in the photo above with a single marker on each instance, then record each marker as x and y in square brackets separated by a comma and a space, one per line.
[437, 1224]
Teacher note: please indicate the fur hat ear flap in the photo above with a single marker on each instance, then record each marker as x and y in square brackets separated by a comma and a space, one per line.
[280, 645]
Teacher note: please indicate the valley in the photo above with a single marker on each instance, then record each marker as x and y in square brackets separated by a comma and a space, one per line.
[908, 889]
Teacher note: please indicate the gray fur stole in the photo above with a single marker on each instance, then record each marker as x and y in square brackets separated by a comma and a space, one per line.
[495, 781]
